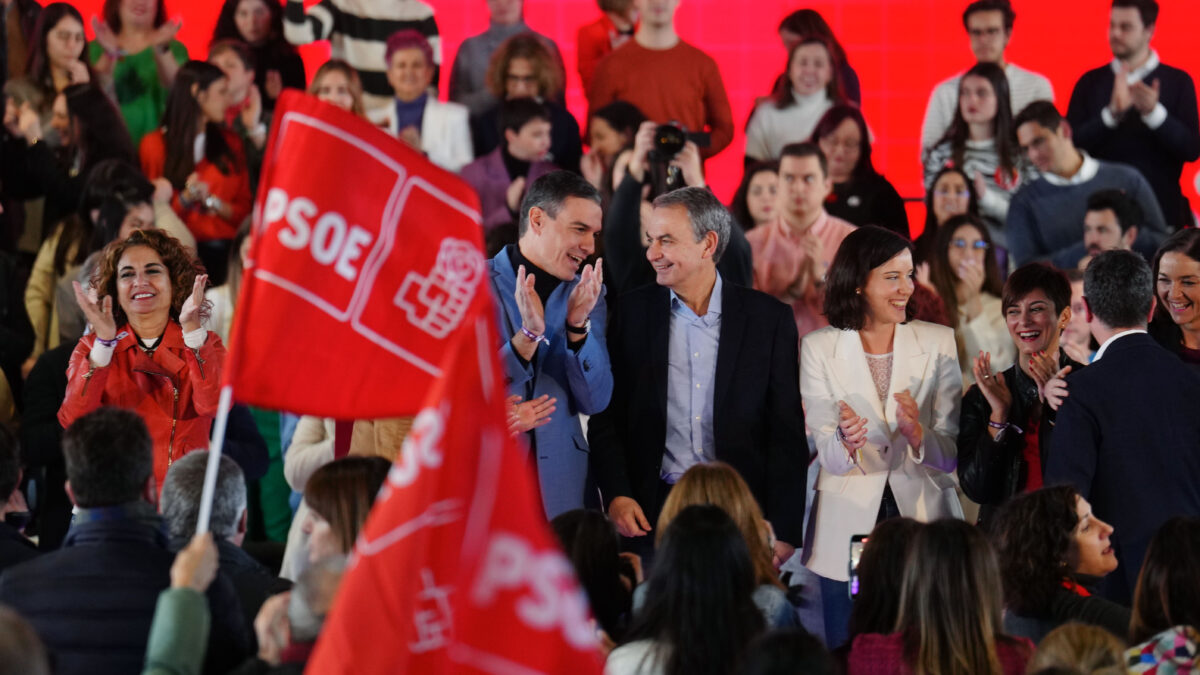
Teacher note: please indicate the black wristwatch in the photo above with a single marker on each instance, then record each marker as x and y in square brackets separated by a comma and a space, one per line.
[580, 330]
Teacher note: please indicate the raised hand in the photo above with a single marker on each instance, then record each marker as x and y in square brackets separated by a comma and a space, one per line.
[908, 419]
[97, 311]
[587, 292]
[1144, 96]
[854, 429]
[643, 141]
[252, 113]
[514, 193]
[105, 35]
[626, 514]
[689, 163]
[1055, 391]
[195, 566]
[1042, 368]
[189, 314]
[592, 168]
[164, 34]
[993, 387]
[1122, 97]
[529, 304]
[531, 414]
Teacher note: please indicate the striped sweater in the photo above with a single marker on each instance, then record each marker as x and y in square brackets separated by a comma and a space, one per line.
[358, 31]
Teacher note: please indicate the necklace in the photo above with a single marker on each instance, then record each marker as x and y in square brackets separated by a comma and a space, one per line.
[153, 346]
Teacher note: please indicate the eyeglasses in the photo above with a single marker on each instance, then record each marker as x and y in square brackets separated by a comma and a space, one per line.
[978, 244]
[947, 193]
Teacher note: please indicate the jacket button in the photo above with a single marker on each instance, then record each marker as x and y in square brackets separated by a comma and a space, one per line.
[587, 366]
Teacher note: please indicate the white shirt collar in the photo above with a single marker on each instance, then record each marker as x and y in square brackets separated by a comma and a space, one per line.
[1086, 172]
[1140, 73]
[1109, 341]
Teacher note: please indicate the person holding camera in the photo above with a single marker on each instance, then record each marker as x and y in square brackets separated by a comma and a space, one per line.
[792, 253]
[667, 79]
[658, 164]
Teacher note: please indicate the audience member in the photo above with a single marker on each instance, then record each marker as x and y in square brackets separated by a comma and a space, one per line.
[1138, 110]
[1176, 322]
[203, 161]
[787, 652]
[41, 444]
[610, 133]
[595, 40]
[259, 24]
[861, 195]
[137, 56]
[669, 80]
[55, 58]
[989, 25]
[501, 177]
[468, 77]
[1051, 551]
[877, 602]
[881, 397]
[92, 601]
[522, 67]
[20, 19]
[312, 446]
[339, 496]
[437, 128]
[703, 370]
[290, 623]
[981, 141]
[15, 548]
[21, 652]
[1134, 395]
[638, 182]
[719, 484]
[950, 608]
[608, 576]
[336, 82]
[247, 114]
[797, 104]
[1005, 428]
[1044, 215]
[1077, 341]
[1079, 649]
[1112, 221]
[1166, 605]
[358, 31]
[699, 616]
[804, 23]
[950, 194]
[146, 286]
[793, 252]
[181, 495]
[757, 196]
[965, 275]
[552, 320]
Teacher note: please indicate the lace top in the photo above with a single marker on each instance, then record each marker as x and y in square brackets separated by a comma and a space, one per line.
[881, 374]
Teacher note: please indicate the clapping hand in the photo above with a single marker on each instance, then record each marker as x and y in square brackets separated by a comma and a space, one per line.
[993, 387]
[1145, 96]
[587, 292]
[1042, 368]
[1055, 390]
[908, 419]
[854, 429]
[527, 415]
[1122, 97]
[105, 35]
[529, 304]
[189, 314]
[164, 34]
[97, 311]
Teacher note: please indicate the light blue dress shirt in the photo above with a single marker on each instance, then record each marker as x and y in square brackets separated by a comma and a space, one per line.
[691, 370]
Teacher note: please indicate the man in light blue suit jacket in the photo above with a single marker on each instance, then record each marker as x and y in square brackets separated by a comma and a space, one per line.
[551, 322]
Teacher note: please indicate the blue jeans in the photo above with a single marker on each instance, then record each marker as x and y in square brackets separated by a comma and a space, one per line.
[836, 605]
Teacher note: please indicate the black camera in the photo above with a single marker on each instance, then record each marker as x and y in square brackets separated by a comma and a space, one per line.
[670, 138]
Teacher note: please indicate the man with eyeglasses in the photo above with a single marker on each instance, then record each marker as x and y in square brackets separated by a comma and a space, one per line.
[1044, 216]
[989, 25]
[1138, 110]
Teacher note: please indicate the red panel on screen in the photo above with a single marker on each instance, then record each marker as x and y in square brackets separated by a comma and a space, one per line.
[900, 49]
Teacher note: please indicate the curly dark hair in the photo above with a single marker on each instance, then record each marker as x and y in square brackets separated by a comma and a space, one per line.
[182, 267]
[1034, 541]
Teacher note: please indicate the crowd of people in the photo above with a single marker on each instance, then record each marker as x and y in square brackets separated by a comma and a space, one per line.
[796, 433]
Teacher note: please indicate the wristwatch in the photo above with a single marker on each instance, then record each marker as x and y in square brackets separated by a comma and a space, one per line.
[580, 330]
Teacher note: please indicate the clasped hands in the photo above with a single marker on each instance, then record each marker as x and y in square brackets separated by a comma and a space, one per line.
[854, 427]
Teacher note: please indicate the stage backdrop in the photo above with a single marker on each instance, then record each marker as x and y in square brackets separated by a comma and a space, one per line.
[900, 48]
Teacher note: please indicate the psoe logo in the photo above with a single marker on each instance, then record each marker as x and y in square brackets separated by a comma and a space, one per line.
[437, 302]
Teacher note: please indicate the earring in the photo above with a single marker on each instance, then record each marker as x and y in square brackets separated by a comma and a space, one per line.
[858, 291]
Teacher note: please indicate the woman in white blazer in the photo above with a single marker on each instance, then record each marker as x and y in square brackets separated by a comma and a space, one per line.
[881, 400]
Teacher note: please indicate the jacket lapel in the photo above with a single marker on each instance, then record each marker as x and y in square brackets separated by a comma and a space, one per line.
[908, 366]
[733, 329]
[852, 371]
[658, 327]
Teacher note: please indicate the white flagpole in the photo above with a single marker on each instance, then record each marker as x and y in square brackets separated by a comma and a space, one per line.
[214, 459]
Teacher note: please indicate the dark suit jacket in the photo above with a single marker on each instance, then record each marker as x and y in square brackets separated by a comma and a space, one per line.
[1128, 438]
[758, 425]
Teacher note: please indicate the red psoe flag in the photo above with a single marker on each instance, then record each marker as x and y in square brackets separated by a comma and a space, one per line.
[364, 259]
[455, 571]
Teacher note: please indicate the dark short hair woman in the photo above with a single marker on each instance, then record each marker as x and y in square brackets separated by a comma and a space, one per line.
[1051, 551]
[754, 202]
[881, 396]
[1005, 429]
[861, 195]
[149, 350]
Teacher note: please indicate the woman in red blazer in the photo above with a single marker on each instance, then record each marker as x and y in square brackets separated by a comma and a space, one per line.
[203, 161]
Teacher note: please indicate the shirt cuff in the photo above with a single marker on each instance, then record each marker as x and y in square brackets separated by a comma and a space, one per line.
[101, 355]
[1107, 117]
[1156, 117]
[196, 339]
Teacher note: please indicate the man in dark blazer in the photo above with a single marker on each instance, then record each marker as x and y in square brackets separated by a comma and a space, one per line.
[1128, 436]
[703, 370]
[1139, 111]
